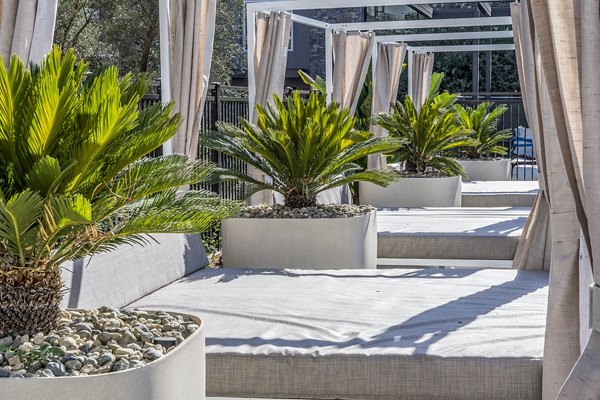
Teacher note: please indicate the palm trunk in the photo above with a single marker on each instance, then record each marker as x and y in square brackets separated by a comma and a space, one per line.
[295, 199]
[29, 299]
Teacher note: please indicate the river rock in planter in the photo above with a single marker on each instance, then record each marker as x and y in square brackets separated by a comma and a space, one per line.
[176, 375]
[106, 337]
[57, 368]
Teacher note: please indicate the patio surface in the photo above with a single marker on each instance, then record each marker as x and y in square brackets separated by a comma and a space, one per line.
[367, 334]
[450, 233]
[499, 193]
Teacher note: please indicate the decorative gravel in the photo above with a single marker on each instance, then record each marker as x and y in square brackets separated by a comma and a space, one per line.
[92, 342]
[407, 174]
[319, 211]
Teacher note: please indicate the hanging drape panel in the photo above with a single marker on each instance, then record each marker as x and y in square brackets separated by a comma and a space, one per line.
[270, 59]
[386, 79]
[570, 33]
[351, 57]
[562, 347]
[422, 69]
[27, 28]
[533, 251]
[273, 32]
[192, 28]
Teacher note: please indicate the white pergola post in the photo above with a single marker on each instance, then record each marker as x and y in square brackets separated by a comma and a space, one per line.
[251, 45]
[165, 70]
[409, 61]
[329, 64]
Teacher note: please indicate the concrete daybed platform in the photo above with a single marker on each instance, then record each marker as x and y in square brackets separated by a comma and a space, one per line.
[367, 334]
[499, 193]
[450, 233]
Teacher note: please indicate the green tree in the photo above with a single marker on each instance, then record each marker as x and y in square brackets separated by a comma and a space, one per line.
[126, 33]
[228, 53]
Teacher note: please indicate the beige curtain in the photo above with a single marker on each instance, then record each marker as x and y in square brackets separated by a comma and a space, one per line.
[270, 59]
[273, 32]
[569, 40]
[351, 55]
[386, 79]
[422, 69]
[26, 28]
[567, 34]
[192, 28]
[554, 209]
[533, 251]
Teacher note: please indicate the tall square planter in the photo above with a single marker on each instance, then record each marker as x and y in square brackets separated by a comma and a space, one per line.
[315, 243]
[486, 170]
[413, 192]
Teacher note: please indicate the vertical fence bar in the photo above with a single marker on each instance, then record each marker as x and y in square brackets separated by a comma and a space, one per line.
[216, 116]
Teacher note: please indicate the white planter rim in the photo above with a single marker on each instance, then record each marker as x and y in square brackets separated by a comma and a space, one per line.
[158, 362]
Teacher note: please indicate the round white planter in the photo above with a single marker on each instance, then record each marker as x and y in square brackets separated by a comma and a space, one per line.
[486, 170]
[413, 192]
[180, 374]
[316, 243]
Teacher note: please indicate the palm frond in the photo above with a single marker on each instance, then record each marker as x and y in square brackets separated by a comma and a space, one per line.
[193, 212]
[483, 123]
[303, 145]
[429, 136]
[18, 219]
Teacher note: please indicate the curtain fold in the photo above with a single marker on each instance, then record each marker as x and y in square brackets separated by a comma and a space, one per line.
[422, 69]
[27, 28]
[192, 28]
[552, 231]
[351, 55]
[270, 59]
[567, 34]
[386, 79]
[273, 32]
[581, 117]
[533, 250]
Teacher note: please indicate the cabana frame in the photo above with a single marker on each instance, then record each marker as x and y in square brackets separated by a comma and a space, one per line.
[296, 5]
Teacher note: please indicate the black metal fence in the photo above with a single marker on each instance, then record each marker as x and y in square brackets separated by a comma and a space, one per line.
[229, 104]
[224, 104]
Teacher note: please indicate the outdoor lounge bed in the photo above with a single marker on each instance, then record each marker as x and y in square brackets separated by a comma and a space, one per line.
[499, 193]
[450, 233]
[360, 334]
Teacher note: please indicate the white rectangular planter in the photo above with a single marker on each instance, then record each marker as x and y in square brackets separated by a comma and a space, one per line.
[486, 170]
[413, 192]
[180, 374]
[315, 243]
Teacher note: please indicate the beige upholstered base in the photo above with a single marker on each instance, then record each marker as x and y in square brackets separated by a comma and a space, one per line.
[368, 334]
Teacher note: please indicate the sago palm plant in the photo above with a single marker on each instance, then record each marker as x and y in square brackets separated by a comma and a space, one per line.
[73, 180]
[430, 134]
[483, 122]
[305, 146]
